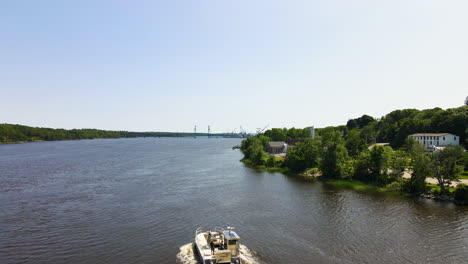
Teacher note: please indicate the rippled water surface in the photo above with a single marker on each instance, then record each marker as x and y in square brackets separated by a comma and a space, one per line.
[140, 201]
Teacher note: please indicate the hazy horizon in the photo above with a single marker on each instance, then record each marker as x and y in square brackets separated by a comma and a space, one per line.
[167, 66]
[202, 130]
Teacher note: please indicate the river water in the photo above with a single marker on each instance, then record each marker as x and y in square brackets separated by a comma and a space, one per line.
[140, 201]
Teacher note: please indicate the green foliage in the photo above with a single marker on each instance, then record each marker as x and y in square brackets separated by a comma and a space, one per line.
[361, 166]
[369, 133]
[379, 161]
[373, 165]
[278, 134]
[359, 122]
[258, 156]
[399, 162]
[295, 133]
[335, 162]
[419, 163]
[354, 143]
[17, 133]
[464, 161]
[461, 194]
[395, 186]
[463, 175]
[357, 186]
[271, 161]
[396, 126]
[445, 166]
[303, 155]
[254, 149]
[411, 145]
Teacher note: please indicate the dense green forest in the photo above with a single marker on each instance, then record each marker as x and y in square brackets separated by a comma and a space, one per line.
[349, 152]
[393, 128]
[18, 133]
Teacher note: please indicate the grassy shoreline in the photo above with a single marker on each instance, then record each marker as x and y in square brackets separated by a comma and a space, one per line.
[359, 186]
[363, 187]
[348, 184]
[251, 165]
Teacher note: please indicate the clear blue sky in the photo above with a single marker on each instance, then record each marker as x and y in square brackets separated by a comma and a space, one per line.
[168, 65]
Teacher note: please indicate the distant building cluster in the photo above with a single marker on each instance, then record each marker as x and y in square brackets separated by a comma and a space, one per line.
[279, 147]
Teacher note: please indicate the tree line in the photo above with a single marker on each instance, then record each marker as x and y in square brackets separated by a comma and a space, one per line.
[350, 152]
[10, 133]
[395, 127]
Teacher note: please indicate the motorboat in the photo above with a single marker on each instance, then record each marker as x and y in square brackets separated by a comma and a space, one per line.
[218, 246]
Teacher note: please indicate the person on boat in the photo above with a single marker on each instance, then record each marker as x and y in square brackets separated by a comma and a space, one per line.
[212, 246]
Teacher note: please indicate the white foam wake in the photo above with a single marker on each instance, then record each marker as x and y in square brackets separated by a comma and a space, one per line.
[248, 256]
[187, 255]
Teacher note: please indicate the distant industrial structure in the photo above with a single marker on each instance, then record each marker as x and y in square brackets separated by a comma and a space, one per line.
[260, 130]
[234, 134]
[312, 132]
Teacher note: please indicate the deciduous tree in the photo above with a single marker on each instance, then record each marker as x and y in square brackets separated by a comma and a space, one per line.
[335, 160]
[445, 165]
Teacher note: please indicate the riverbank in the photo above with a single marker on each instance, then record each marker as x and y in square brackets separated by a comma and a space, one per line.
[360, 186]
[394, 188]
[341, 183]
[252, 165]
[20, 142]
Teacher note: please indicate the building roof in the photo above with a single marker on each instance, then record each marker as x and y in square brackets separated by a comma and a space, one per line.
[276, 144]
[229, 234]
[430, 134]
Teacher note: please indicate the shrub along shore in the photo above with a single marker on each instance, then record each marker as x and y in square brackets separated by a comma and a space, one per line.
[350, 156]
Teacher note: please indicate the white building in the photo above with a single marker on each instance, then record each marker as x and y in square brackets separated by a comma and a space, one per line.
[431, 140]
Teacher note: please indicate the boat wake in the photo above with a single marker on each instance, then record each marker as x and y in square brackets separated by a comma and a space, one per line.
[248, 256]
[188, 255]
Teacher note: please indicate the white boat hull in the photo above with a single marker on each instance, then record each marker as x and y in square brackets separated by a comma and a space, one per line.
[204, 251]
